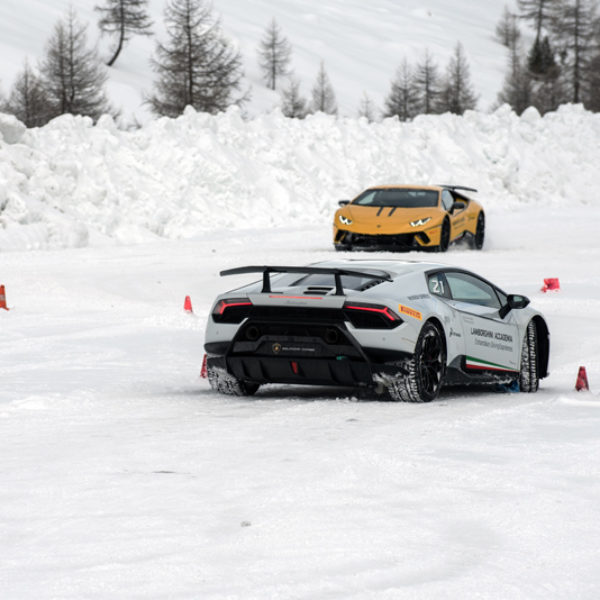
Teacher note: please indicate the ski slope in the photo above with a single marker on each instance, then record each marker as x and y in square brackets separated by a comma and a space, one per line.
[124, 476]
[362, 44]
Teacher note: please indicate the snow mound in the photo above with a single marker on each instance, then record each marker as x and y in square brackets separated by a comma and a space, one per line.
[11, 129]
[71, 183]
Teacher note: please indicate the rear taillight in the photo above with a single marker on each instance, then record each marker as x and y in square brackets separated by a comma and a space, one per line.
[232, 310]
[371, 316]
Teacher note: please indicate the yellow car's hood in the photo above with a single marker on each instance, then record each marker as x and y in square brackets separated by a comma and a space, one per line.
[387, 219]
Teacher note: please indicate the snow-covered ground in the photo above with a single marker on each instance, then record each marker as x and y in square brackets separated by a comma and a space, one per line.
[361, 44]
[124, 476]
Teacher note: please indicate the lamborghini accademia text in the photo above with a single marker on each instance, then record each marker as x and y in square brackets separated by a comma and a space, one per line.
[405, 327]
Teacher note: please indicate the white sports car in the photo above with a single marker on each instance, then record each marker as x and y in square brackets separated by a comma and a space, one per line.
[407, 327]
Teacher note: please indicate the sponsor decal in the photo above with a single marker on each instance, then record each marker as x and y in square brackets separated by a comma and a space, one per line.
[418, 297]
[411, 312]
[454, 333]
[485, 365]
[492, 339]
[486, 333]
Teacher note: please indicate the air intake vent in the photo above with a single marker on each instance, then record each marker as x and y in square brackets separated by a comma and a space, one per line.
[318, 289]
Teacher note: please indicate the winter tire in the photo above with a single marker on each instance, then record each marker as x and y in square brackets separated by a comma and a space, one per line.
[225, 383]
[478, 238]
[426, 369]
[444, 237]
[528, 377]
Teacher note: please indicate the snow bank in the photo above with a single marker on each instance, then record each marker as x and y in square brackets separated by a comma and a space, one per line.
[73, 184]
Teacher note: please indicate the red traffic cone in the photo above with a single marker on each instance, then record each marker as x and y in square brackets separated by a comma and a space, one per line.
[582, 380]
[3, 298]
[187, 305]
[204, 369]
[551, 284]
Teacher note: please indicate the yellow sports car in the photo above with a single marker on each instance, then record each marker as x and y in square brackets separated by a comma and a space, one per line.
[404, 217]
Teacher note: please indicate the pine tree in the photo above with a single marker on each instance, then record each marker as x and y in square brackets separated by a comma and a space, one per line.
[457, 92]
[323, 96]
[197, 67]
[274, 55]
[517, 90]
[72, 75]
[593, 100]
[402, 101]
[28, 100]
[507, 30]
[366, 108]
[427, 84]
[538, 12]
[574, 28]
[292, 104]
[125, 18]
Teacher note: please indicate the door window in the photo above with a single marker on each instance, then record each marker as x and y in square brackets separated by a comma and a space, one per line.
[467, 288]
[447, 200]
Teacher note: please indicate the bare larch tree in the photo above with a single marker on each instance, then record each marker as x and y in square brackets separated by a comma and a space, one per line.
[323, 96]
[457, 92]
[402, 100]
[293, 105]
[366, 108]
[274, 55]
[72, 74]
[125, 18]
[197, 67]
[427, 83]
[28, 100]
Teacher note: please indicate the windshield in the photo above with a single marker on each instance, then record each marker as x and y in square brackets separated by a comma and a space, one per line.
[401, 198]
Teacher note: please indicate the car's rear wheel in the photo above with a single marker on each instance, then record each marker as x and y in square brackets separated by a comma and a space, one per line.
[426, 368]
[478, 238]
[529, 379]
[223, 382]
[444, 237]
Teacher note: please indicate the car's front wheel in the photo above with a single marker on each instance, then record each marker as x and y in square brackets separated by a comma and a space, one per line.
[223, 382]
[444, 237]
[529, 379]
[426, 368]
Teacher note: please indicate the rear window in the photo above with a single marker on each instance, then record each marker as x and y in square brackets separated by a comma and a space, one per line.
[349, 282]
[400, 198]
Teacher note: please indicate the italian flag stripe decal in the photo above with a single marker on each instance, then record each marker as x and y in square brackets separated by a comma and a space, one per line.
[478, 363]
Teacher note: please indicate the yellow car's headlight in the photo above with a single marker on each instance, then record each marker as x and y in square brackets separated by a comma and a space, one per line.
[420, 222]
[345, 220]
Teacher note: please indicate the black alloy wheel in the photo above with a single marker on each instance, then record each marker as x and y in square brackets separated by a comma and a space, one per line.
[426, 369]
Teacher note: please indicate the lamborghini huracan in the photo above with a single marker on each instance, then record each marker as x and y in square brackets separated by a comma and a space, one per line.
[405, 217]
[407, 328]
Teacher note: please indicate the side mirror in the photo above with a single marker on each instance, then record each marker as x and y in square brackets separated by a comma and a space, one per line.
[343, 202]
[458, 205]
[513, 301]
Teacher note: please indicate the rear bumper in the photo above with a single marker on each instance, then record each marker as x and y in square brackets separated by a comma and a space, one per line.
[308, 371]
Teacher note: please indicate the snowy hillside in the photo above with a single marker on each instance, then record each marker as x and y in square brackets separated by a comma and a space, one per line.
[361, 43]
[71, 184]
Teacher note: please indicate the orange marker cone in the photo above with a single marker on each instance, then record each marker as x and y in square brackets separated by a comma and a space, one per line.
[187, 305]
[551, 284]
[3, 298]
[582, 380]
[204, 369]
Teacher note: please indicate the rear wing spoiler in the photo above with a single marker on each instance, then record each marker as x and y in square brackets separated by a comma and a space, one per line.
[458, 187]
[336, 272]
